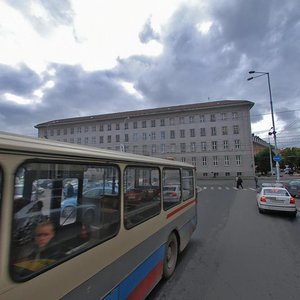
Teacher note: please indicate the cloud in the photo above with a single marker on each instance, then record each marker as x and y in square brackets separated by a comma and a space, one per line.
[44, 14]
[195, 65]
[148, 34]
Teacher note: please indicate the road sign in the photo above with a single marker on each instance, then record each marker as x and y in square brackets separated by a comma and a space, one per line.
[277, 158]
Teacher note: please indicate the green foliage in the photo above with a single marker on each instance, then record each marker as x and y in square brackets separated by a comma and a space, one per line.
[290, 157]
[262, 161]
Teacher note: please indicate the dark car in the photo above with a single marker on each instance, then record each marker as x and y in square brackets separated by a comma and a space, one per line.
[293, 187]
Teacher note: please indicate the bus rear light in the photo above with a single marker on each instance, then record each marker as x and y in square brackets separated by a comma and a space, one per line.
[292, 200]
[263, 199]
[174, 194]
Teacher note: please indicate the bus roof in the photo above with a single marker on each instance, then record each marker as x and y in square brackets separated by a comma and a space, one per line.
[19, 143]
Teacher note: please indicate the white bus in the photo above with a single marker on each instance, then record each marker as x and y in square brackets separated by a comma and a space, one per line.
[85, 223]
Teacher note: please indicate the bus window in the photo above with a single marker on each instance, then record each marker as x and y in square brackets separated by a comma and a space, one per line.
[187, 184]
[61, 210]
[171, 188]
[142, 195]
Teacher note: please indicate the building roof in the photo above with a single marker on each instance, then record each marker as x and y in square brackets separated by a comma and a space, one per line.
[149, 112]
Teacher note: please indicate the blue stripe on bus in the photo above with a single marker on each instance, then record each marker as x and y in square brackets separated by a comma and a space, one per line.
[128, 285]
[134, 279]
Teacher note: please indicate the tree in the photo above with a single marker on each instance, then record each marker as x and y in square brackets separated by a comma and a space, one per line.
[291, 157]
[262, 161]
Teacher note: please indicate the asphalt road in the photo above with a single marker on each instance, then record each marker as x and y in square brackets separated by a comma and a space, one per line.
[236, 253]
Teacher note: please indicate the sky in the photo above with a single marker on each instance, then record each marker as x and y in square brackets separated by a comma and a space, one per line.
[62, 59]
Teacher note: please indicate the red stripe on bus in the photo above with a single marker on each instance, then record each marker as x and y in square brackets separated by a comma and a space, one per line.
[148, 283]
[179, 209]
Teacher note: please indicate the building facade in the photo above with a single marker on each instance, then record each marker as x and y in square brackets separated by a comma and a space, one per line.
[213, 136]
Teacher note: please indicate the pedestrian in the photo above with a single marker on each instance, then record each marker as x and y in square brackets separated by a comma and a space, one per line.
[236, 181]
[256, 182]
[239, 182]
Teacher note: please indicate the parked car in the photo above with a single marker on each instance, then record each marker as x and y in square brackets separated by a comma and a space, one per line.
[293, 187]
[172, 193]
[275, 198]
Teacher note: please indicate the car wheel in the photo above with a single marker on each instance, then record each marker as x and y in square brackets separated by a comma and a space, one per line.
[261, 211]
[293, 214]
[170, 257]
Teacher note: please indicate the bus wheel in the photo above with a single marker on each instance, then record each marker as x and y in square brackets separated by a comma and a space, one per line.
[170, 258]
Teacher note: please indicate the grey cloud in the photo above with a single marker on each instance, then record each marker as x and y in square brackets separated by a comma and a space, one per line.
[148, 34]
[18, 80]
[58, 13]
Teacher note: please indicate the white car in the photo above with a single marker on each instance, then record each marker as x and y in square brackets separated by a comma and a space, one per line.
[275, 198]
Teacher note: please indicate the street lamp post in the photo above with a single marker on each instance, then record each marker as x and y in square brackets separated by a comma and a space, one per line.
[272, 113]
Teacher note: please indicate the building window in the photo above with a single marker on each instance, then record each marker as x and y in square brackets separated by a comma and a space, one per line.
[181, 120]
[226, 160]
[135, 149]
[72, 140]
[126, 125]
[126, 137]
[162, 135]
[109, 127]
[213, 131]
[72, 130]
[109, 138]
[153, 135]
[93, 140]
[223, 116]
[65, 131]
[236, 129]
[172, 134]
[101, 127]
[213, 118]
[215, 160]
[135, 125]
[173, 148]
[193, 147]
[86, 128]
[202, 132]
[227, 173]
[172, 121]
[204, 161]
[144, 124]
[152, 123]
[205, 174]
[94, 128]
[203, 146]
[86, 140]
[145, 152]
[214, 145]
[162, 122]
[144, 136]
[118, 126]
[183, 159]
[202, 118]
[225, 145]
[237, 144]
[191, 119]
[78, 129]
[238, 160]
[182, 133]
[194, 161]
[58, 131]
[235, 115]
[135, 136]
[224, 130]
[117, 138]
[153, 149]
[192, 132]
[101, 139]
[182, 147]
[162, 148]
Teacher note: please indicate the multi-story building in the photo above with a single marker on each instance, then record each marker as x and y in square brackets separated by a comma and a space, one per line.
[213, 136]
